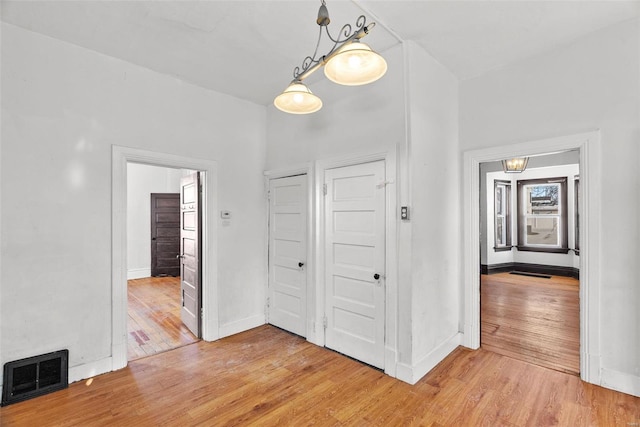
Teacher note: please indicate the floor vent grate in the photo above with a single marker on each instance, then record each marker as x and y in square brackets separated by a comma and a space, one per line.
[34, 376]
[526, 273]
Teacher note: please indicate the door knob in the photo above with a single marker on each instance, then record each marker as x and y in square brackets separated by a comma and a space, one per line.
[301, 264]
[179, 256]
[376, 276]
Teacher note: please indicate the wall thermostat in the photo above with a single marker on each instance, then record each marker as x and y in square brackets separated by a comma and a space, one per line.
[225, 214]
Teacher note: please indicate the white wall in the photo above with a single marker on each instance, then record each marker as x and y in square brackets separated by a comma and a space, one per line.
[591, 83]
[435, 210]
[63, 107]
[528, 257]
[142, 180]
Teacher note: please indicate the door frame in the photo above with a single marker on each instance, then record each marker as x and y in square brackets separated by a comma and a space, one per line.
[391, 252]
[303, 169]
[588, 144]
[120, 157]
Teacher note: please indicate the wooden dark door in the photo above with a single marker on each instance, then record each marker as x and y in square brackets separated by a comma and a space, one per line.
[165, 234]
[190, 252]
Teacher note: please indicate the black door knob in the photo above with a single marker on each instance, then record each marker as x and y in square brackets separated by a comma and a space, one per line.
[376, 276]
[300, 264]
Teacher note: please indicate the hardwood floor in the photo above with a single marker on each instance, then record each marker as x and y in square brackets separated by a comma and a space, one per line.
[532, 319]
[269, 377]
[154, 323]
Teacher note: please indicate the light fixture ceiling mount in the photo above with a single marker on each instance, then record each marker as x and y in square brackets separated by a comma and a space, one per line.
[515, 165]
[349, 62]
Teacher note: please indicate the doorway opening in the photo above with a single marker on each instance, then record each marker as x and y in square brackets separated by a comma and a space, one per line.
[208, 315]
[155, 319]
[589, 146]
[529, 258]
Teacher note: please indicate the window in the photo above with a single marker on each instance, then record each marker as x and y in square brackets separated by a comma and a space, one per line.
[542, 215]
[502, 223]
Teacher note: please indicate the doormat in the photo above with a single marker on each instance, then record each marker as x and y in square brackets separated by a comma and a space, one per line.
[526, 273]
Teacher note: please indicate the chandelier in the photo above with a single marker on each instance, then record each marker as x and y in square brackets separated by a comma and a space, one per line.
[349, 62]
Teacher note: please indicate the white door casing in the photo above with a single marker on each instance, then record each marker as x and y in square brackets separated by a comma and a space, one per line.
[287, 304]
[355, 228]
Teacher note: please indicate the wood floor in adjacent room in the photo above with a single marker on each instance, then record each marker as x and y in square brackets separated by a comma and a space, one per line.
[154, 323]
[269, 377]
[532, 319]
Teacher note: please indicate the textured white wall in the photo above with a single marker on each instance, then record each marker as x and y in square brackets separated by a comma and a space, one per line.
[435, 207]
[590, 83]
[63, 107]
[142, 180]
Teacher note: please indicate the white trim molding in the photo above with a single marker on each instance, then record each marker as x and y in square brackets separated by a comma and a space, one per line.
[138, 273]
[121, 156]
[621, 381]
[391, 247]
[588, 144]
[241, 325]
[413, 373]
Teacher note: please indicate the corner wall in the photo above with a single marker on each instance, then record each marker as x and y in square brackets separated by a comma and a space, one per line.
[434, 170]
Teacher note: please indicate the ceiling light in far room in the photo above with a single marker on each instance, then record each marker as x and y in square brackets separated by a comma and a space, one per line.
[515, 165]
[349, 62]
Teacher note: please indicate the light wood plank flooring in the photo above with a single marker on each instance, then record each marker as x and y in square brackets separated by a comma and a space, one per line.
[154, 323]
[269, 377]
[532, 319]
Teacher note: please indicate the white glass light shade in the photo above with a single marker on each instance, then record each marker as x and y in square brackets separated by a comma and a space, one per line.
[514, 165]
[356, 64]
[297, 99]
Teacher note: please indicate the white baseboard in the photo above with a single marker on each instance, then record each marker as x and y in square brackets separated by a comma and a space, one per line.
[138, 273]
[241, 325]
[90, 370]
[412, 374]
[620, 381]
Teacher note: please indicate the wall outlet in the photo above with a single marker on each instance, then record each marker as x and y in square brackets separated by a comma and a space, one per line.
[404, 213]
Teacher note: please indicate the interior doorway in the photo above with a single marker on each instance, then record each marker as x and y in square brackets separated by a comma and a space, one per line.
[589, 146]
[158, 222]
[529, 256]
[122, 157]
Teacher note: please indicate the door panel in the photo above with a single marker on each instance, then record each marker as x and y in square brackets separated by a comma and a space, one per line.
[165, 234]
[354, 254]
[287, 249]
[190, 286]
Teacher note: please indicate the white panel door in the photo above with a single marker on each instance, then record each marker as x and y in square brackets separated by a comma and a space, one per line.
[288, 253]
[355, 261]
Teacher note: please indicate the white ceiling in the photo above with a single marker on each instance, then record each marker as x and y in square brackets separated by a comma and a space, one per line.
[248, 49]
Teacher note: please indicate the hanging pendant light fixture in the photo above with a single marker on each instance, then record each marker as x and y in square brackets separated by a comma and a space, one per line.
[515, 165]
[297, 99]
[349, 62]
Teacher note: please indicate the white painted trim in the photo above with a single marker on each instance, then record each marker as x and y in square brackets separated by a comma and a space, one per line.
[620, 381]
[120, 157]
[138, 273]
[305, 169]
[413, 374]
[391, 244]
[241, 325]
[90, 370]
[590, 177]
